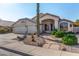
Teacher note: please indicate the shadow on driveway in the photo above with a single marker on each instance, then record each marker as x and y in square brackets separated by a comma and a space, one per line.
[13, 51]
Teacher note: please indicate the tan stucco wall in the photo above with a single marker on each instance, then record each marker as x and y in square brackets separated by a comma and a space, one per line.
[32, 26]
[48, 22]
[49, 17]
[56, 20]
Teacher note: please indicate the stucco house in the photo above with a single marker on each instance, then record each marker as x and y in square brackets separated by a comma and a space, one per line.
[48, 22]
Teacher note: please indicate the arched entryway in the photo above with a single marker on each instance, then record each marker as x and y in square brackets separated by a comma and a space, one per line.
[47, 25]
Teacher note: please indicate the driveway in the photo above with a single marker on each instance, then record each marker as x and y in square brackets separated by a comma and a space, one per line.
[7, 38]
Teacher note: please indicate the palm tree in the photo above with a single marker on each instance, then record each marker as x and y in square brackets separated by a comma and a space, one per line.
[38, 24]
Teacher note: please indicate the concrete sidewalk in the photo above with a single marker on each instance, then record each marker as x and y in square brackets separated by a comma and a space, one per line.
[37, 51]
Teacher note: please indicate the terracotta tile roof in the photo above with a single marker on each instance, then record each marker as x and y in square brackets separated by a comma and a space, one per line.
[50, 15]
[67, 20]
[23, 19]
[41, 15]
[27, 19]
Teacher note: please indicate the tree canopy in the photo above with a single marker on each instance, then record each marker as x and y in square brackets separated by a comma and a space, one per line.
[77, 20]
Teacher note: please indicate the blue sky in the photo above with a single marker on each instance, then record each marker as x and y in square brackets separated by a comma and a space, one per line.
[15, 11]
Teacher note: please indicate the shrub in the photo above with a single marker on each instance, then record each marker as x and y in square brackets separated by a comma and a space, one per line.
[70, 32]
[3, 30]
[53, 32]
[69, 39]
[59, 34]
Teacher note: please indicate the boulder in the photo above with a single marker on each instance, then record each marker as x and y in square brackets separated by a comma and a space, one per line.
[36, 41]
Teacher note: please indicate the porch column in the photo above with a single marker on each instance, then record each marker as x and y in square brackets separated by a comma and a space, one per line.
[49, 27]
[70, 28]
[42, 27]
[56, 24]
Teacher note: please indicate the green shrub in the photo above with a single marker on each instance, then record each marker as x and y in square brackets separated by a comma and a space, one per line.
[70, 32]
[69, 39]
[59, 34]
[53, 32]
[3, 30]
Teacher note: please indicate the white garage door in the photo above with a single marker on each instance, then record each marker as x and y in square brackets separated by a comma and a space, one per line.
[20, 30]
[32, 29]
[76, 29]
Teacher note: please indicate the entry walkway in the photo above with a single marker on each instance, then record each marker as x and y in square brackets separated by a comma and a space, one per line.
[37, 51]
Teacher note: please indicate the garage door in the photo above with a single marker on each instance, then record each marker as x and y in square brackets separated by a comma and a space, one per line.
[32, 29]
[76, 29]
[21, 30]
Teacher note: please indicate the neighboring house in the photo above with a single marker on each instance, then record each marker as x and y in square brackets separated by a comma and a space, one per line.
[6, 24]
[76, 27]
[48, 22]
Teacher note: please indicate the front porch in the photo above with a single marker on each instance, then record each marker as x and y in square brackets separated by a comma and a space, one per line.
[49, 25]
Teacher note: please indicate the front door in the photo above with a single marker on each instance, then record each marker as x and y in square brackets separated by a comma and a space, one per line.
[51, 25]
[48, 28]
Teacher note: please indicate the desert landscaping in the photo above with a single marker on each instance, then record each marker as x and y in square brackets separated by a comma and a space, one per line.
[48, 41]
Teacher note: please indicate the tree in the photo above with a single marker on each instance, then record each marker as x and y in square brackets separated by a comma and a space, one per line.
[38, 24]
[77, 20]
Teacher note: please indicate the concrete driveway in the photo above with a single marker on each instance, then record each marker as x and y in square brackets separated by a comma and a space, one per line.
[7, 38]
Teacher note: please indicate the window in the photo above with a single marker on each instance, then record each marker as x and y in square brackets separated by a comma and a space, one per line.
[64, 26]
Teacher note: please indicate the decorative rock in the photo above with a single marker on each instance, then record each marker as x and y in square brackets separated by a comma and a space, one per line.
[63, 48]
[34, 40]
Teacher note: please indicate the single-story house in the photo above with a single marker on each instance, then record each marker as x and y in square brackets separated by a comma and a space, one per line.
[48, 22]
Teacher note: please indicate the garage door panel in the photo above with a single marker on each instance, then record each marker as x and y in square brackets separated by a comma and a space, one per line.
[31, 29]
[20, 29]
